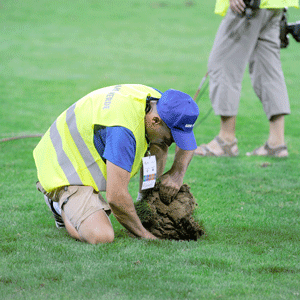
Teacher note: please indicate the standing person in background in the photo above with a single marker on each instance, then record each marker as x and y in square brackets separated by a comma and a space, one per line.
[248, 35]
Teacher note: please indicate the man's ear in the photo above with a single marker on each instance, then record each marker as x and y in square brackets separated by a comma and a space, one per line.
[156, 120]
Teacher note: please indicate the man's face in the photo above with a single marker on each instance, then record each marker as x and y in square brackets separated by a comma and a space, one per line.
[158, 132]
[167, 135]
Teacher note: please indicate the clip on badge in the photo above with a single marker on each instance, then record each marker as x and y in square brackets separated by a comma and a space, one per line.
[149, 172]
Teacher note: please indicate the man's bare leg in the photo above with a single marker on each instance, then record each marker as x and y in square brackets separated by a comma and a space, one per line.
[227, 134]
[94, 229]
[276, 137]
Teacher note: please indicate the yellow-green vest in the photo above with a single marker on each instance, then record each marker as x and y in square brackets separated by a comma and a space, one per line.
[222, 5]
[66, 154]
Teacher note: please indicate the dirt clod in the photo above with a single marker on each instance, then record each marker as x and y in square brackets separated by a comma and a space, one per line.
[172, 221]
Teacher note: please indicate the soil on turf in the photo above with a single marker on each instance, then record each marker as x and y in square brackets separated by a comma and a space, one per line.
[173, 221]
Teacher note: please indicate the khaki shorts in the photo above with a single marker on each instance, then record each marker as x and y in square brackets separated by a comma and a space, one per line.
[255, 42]
[77, 202]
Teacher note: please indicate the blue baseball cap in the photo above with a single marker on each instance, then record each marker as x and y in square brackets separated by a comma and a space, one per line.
[180, 112]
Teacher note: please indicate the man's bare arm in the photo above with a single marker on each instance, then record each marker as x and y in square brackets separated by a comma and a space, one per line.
[121, 202]
[172, 180]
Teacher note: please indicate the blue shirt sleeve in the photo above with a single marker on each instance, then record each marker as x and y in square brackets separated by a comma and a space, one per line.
[117, 145]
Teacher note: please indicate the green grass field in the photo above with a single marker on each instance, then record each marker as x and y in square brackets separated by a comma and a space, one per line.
[53, 53]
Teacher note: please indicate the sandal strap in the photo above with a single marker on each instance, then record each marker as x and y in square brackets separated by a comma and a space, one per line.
[274, 151]
[207, 151]
[226, 147]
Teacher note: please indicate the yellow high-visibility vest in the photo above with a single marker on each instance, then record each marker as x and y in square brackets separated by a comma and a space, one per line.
[66, 154]
[222, 5]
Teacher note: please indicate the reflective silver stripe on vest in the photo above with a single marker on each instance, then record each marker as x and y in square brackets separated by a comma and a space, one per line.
[88, 158]
[62, 157]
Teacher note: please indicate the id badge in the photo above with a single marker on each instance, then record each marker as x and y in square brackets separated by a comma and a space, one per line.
[149, 172]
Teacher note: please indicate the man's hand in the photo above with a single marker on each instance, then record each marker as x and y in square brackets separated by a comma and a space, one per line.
[237, 6]
[169, 187]
[172, 180]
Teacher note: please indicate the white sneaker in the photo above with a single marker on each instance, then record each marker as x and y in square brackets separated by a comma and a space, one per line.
[59, 222]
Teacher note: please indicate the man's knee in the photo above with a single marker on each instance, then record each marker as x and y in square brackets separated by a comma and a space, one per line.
[97, 228]
[100, 236]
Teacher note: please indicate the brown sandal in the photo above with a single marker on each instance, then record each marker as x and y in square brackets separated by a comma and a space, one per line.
[274, 152]
[226, 147]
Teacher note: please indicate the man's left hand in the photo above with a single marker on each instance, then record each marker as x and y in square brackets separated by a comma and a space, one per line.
[172, 180]
[169, 187]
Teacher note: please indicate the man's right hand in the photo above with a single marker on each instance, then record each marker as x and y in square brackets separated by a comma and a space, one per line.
[150, 236]
[237, 6]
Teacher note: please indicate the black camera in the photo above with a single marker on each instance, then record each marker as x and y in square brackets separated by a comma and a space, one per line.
[251, 6]
[286, 28]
